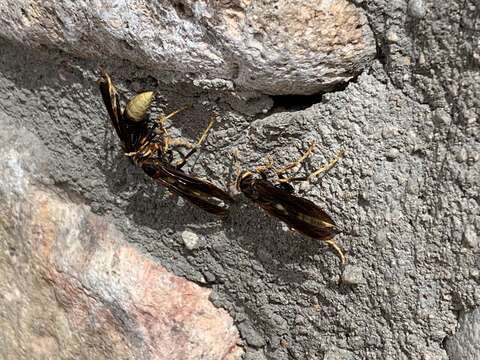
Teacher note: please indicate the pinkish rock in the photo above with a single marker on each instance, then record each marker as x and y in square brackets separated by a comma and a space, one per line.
[72, 287]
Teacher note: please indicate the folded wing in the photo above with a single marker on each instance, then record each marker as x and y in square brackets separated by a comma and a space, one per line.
[298, 213]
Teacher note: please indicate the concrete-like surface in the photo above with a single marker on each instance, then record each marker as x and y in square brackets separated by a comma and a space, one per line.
[406, 195]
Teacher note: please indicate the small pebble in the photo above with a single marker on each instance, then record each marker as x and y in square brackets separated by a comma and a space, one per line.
[441, 117]
[412, 186]
[180, 202]
[417, 8]
[353, 275]
[338, 354]
[461, 155]
[392, 36]
[251, 336]
[392, 154]
[190, 240]
[209, 277]
[470, 236]
[305, 186]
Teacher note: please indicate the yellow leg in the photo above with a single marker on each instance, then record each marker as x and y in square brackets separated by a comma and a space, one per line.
[162, 119]
[144, 151]
[323, 168]
[185, 143]
[199, 142]
[181, 142]
[266, 166]
[204, 136]
[339, 251]
[328, 166]
[299, 161]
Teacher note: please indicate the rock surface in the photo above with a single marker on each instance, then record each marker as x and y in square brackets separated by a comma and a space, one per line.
[284, 47]
[465, 344]
[71, 287]
[405, 195]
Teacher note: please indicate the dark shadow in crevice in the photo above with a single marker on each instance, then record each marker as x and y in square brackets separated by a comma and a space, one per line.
[290, 103]
[294, 102]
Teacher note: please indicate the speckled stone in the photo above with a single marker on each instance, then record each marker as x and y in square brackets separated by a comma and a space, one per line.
[293, 47]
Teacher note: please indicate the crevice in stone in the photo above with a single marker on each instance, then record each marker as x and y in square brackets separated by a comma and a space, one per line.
[294, 102]
[290, 103]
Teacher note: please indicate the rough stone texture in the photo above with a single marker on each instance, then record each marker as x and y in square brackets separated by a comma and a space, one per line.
[406, 195]
[280, 47]
[339, 354]
[71, 287]
[465, 344]
[353, 275]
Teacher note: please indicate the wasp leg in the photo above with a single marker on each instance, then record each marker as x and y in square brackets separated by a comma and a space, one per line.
[169, 155]
[337, 248]
[262, 169]
[324, 168]
[199, 143]
[182, 158]
[328, 166]
[160, 123]
[204, 136]
[299, 161]
[162, 119]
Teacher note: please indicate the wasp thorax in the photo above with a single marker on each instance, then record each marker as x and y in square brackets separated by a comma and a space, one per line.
[244, 179]
[138, 106]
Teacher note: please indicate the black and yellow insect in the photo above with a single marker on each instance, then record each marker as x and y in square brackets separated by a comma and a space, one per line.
[151, 148]
[278, 199]
[199, 192]
[130, 123]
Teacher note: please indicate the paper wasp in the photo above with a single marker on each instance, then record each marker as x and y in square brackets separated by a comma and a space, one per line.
[130, 123]
[151, 148]
[277, 198]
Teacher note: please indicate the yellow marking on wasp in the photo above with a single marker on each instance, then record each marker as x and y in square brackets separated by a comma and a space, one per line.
[138, 106]
[315, 221]
[281, 208]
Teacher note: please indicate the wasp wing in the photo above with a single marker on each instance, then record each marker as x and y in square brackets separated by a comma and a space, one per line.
[201, 193]
[298, 213]
[129, 133]
[111, 101]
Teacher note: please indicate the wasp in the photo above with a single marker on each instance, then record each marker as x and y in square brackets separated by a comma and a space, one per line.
[130, 123]
[277, 197]
[151, 148]
[169, 174]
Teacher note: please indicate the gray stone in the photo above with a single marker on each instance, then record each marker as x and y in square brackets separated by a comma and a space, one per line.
[190, 240]
[465, 343]
[353, 275]
[299, 47]
[403, 222]
[470, 236]
[339, 354]
[417, 8]
[251, 336]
